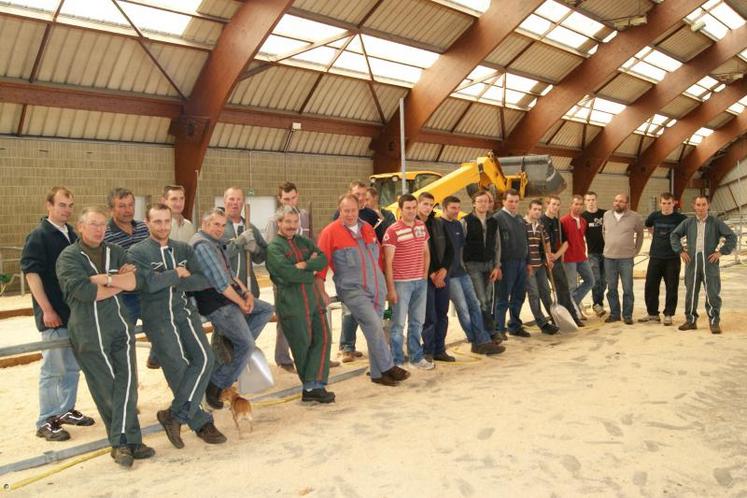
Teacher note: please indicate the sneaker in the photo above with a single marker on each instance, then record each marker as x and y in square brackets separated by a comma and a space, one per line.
[385, 380]
[288, 367]
[348, 356]
[628, 320]
[172, 427]
[212, 396]
[51, 430]
[74, 417]
[320, 395]
[488, 348]
[522, 332]
[715, 329]
[210, 434]
[123, 455]
[649, 318]
[141, 451]
[611, 319]
[444, 357]
[688, 326]
[599, 310]
[549, 329]
[667, 320]
[397, 373]
[424, 364]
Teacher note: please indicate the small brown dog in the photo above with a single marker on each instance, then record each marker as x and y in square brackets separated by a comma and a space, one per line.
[241, 408]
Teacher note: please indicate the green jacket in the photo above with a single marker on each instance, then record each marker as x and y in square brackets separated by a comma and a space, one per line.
[296, 293]
[162, 296]
[88, 316]
[242, 268]
[714, 230]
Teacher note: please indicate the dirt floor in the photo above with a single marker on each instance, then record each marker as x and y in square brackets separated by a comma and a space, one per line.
[610, 410]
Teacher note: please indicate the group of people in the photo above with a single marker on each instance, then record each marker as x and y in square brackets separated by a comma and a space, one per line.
[93, 285]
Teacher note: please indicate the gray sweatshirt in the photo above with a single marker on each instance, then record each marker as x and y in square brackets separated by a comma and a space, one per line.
[622, 239]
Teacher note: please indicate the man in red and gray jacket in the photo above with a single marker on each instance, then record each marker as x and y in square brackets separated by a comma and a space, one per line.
[354, 255]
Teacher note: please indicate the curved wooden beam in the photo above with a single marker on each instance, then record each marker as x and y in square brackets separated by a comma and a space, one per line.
[722, 166]
[640, 172]
[588, 163]
[444, 76]
[705, 150]
[591, 75]
[236, 47]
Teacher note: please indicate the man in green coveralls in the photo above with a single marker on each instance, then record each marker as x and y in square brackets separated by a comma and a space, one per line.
[292, 260]
[169, 268]
[92, 273]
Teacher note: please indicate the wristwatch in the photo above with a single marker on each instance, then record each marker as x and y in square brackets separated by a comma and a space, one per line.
[108, 281]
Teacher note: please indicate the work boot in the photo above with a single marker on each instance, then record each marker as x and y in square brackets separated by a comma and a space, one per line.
[444, 357]
[141, 451]
[521, 332]
[212, 396]
[611, 319]
[715, 328]
[549, 329]
[320, 395]
[122, 455]
[210, 434]
[628, 320]
[397, 373]
[385, 380]
[488, 348]
[688, 326]
[172, 427]
[348, 356]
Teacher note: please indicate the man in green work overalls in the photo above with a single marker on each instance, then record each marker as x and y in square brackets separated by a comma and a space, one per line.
[92, 274]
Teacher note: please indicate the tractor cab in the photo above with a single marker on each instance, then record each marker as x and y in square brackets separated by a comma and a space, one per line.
[389, 185]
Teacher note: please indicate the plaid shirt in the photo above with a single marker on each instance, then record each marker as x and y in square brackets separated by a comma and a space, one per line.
[537, 238]
[215, 270]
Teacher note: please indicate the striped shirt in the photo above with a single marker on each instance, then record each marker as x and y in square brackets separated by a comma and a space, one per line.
[408, 243]
[537, 238]
[115, 235]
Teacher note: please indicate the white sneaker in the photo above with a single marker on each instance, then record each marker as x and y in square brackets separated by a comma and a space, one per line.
[667, 320]
[649, 318]
[424, 364]
[599, 310]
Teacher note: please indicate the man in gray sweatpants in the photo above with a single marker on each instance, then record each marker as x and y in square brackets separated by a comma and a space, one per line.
[701, 257]
[354, 254]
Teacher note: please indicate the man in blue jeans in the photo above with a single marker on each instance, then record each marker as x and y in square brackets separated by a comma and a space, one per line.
[461, 291]
[406, 263]
[58, 378]
[510, 289]
[594, 217]
[623, 238]
[234, 312]
[575, 262]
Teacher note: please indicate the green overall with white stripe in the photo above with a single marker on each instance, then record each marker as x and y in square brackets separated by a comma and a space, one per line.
[172, 324]
[101, 339]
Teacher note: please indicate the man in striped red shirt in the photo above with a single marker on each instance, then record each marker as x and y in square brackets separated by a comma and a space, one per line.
[407, 260]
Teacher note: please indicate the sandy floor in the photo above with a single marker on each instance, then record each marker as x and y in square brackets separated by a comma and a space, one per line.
[606, 411]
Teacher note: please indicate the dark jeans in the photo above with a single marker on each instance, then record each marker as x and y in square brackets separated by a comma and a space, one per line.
[600, 281]
[658, 269]
[436, 319]
[620, 270]
[509, 294]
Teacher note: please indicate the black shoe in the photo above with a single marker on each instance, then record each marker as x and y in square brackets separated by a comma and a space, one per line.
[497, 338]
[488, 348]
[51, 430]
[141, 451]
[74, 417]
[688, 326]
[549, 329]
[212, 396]
[611, 319]
[385, 380]
[397, 373]
[210, 434]
[715, 329]
[444, 357]
[520, 333]
[172, 427]
[628, 321]
[123, 455]
[319, 395]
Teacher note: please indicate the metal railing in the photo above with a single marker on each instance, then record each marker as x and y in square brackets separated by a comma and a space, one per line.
[4, 260]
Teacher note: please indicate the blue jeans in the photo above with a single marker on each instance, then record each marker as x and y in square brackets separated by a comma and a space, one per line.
[410, 307]
[348, 331]
[462, 294]
[538, 292]
[436, 319]
[58, 378]
[600, 282]
[509, 294]
[621, 269]
[572, 272]
[241, 330]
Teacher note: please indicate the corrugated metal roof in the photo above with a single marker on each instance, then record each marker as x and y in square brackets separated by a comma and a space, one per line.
[512, 46]
[183, 65]
[569, 135]
[720, 120]
[613, 167]
[279, 87]
[629, 145]
[69, 123]
[248, 137]
[614, 9]
[202, 31]
[685, 44]
[454, 154]
[679, 107]
[562, 163]
[481, 119]
[389, 96]
[660, 173]
[219, 8]
[343, 98]
[21, 41]
[545, 61]
[552, 131]
[9, 116]
[625, 88]
[325, 143]
[351, 12]
[734, 64]
[88, 58]
[647, 141]
[447, 114]
[511, 118]
[675, 154]
[420, 20]
[591, 132]
[423, 152]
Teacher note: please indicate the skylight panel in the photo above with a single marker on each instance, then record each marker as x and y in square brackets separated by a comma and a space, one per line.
[579, 112]
[608, 106]
[699, 135]
[494, 93]
[567, 37]
[514, 98]
[662, 61]
[726, 15]
[473, 90]
[398, 52]
[156, 20]
[277, 45]
[479, 6]
[704, 132]
[714, 27]
[480, 72]
[297, 27]
[320, 55]
[736, 108]
[48, 5]
[599, 117]
[394, 70]
[648, 71]
[552, 10]
[97, 11]
[535, 24]
[696, 91]
[350, 61]
[583, 24]
[520, 83]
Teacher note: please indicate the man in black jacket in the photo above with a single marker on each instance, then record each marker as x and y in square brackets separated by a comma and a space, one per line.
[58, 379]
[437, 303]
